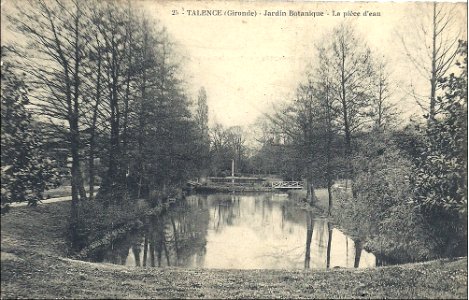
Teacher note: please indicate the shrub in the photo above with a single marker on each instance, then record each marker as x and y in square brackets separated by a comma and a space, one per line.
[381, 213]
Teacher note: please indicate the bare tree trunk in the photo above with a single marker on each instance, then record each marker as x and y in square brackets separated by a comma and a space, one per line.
[74, 210]
[348, 135]
[81, 185]
[76, 95]
[166, 253]
[329, 245]
[91, 167]
[309, 187]
[76, 183]
[358, 253]
[145, 247]
[309, 236]
[114, 153]
[141, 122]
[159, 251]
[329, 169]
[433, 80]
[311, 192]
[125, 137]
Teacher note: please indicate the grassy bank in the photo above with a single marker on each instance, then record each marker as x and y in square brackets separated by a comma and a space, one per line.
[34, 265]
[321, 200]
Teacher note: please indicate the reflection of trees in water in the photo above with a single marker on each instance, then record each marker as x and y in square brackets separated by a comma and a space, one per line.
[179, 236]
[309, 236]
[233, 209]
[293, 214]
[226, 209]
[118, 251]
[321, 240]
[310, 225]
[157, 240]
[176, 237]
[264, 204]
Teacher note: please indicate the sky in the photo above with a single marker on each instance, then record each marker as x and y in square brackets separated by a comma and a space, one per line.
[250, 64]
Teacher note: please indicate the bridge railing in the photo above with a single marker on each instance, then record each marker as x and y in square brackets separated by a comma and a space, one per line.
[287, 184]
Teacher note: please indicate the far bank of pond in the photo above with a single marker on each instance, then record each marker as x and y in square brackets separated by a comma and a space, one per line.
[236, 231]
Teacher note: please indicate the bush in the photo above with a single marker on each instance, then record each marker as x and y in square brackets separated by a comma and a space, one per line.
[26, 172]
[381, 213]
[440, 176]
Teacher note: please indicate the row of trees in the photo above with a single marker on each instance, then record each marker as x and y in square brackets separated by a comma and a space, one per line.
[227, 144]
[346, 95]
[408, 183]
[107, 81]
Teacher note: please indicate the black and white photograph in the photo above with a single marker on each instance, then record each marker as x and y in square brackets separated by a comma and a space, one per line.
[234, 149]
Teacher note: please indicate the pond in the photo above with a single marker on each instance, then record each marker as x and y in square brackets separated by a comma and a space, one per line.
[240, 231]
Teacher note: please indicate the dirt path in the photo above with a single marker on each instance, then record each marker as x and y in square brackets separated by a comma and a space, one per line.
[46, 201]
[34, 265]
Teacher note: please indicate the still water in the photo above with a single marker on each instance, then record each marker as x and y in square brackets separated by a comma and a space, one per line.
[256, 231]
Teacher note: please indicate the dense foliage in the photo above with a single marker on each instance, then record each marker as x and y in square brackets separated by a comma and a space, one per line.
[381, 213]
[440, 179]
[26, 171]
[411, 186]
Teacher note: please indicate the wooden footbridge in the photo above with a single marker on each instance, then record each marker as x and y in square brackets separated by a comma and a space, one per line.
[287, 185]
[246, 182]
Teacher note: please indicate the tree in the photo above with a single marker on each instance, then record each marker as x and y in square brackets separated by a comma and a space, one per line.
[164, 134]
[334, 97]
[236, 140]
[299, 120]
[383, 112]
[26, 171]
[57, 39]
[95, 92]
[350, 61]
[201, 121]
[305, 109]
[441, 172]
[201, 115]
[328, 119]
[433, 47]
[227, 144]
[112, 29]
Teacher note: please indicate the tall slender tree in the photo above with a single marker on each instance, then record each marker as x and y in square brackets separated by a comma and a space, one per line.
[432, 48]
[350, 61]
[56, 34]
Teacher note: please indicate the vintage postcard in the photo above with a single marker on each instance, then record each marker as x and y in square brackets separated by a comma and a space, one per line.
[233, 149]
